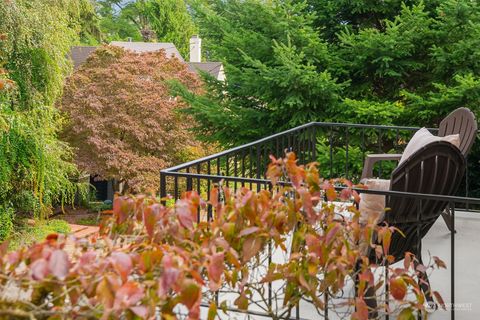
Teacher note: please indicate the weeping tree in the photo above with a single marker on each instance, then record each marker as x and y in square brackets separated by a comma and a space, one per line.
[35, 167]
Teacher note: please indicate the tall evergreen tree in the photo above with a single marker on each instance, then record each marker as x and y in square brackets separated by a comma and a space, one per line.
[290, 62]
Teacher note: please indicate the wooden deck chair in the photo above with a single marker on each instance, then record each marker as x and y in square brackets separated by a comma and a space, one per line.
[437, 168]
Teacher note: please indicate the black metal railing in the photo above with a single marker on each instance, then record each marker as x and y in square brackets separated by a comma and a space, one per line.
[339, 148]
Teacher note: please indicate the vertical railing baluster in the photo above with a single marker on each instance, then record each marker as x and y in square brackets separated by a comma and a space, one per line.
[396, 144]
[163, 187]
[250, 174]
[265, 159]
[362, 144]
[277, 148]
[467, 205]
[380, 151]
[330, 139]
[346, 151]
[387, 290]
[175, 188]
[209, 181]
[199, 190]
[452, 259]
[235, 168]
[258, 166]
[243, 167]
[189, 181]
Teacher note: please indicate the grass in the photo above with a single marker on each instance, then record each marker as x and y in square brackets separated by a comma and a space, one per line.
[90, 221]
[26, 234]
[97, 206]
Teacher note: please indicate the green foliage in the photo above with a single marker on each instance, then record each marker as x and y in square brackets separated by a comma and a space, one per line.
[39, 35]
[147, 20]
[290, 62]
[36, 167]
[27, 233]
[98, 206]
[6, 221]
[119, 21]
[171, 22]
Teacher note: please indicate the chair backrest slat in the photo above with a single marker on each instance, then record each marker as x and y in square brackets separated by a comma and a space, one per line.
[461, 121]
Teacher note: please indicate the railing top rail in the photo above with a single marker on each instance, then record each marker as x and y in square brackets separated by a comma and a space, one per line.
[423, 196]
[280, 134]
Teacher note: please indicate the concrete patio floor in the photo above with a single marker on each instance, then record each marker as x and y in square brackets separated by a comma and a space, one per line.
[436, 243]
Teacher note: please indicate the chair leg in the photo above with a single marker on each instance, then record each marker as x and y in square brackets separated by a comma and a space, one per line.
[448, 219]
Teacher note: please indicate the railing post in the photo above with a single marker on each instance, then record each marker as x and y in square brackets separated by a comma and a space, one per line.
[452, 259]
[163, 187]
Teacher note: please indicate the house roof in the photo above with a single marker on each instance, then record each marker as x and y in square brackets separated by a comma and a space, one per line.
[79, 54]
[139, 47]
[214, 68]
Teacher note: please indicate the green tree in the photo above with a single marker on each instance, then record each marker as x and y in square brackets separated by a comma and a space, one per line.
[121, 20]
[290, 62]
[147, 20]
[171, 22]
[35, 167]
[277, 67]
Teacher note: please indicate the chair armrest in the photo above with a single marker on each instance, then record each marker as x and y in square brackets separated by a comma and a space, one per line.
[371, 159]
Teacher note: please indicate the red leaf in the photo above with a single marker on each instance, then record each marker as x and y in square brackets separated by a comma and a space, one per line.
[398, 288]
[356, 196]
[331, 194]
[122, 263]
[241, 302]
[184, 213]
[331, 234]
[105, 293]
[52, 237]
[248, 231]
[150, 215]
[345, 194]
[387, 238]
[361, 312]
[191, 294]
[439, 299]
[128, 295]
[122, 208]
[59, 264]
[39, 269]
[313, 243]
[214, 197]
[88, 258]
[169, 276]
[408, 260]
[215, 270]
[251, 246]
[439, 262]
[140, 311]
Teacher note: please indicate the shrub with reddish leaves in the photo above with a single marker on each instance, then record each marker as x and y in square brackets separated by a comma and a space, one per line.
[152, 261]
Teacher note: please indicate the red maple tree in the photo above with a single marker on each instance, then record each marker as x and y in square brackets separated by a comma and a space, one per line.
[122, 120]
